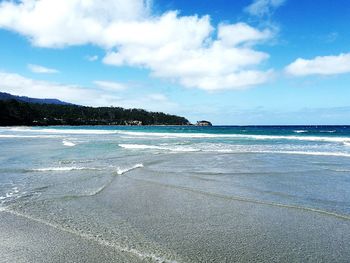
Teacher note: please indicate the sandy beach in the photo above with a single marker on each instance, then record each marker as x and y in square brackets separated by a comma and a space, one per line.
[25, 240]
[171, 224]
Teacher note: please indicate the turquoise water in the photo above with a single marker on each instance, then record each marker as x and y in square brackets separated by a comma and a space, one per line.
[154, 190]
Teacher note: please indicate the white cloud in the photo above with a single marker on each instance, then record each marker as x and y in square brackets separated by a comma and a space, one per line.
[263, 7]
[182, 49]
[52, 23]
[186, 49]
[92, 58]
[20, 85]
[41, 69]
[109, 85]
[242, 33]
[327, 65]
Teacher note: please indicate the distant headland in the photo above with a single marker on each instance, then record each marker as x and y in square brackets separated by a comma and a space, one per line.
[204, 123]
[18, 110]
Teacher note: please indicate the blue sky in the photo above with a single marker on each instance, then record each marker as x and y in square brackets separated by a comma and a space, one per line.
[231, 62]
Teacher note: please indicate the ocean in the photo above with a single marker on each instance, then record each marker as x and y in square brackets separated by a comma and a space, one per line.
[186, 193]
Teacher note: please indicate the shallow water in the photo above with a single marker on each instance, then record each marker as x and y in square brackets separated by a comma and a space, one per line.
[186, 194]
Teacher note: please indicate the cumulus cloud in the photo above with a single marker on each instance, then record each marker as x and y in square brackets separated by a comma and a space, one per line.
[327, 65]
[186, 49]
[182, 49]
[263, 7]
[242, 33]
[41, 69]
[19, 85]
[52, 23]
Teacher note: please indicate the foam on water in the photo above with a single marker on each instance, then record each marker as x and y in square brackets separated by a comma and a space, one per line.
[64, 131]
[332, 131]
[27, 136]
[140, 146]
[10, 193]
[62, 169]
[172, 148]
[80, 131]
[121, 171]
[219, 148]
[300, 131]
[238, 136]
[169, 135]
[342, 170]
[68, 143]
[13, 193]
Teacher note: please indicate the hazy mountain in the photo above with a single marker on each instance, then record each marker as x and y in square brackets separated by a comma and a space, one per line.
[7, 96]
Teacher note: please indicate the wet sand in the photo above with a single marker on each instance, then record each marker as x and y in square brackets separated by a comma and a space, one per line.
[25, 240]
[171, 223]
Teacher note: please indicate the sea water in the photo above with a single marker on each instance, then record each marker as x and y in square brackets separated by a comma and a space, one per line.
[186, 193]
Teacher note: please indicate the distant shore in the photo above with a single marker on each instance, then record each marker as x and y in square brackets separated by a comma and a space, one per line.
[17, 113]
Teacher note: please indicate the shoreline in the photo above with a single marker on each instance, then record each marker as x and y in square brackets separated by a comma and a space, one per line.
[24, 239]
[192, 125]
[191, 199]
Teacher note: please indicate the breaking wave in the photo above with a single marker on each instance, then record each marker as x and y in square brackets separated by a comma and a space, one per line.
[169, 135]
[62, 169]
[27, 136]
[64, 131]
[300, 131]
[68, 143]
[154, 147]
[121, 171]
[237, 136]
[218, 148]
[332, 131]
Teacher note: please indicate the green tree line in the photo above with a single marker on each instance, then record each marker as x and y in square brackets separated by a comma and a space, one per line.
[13, 112]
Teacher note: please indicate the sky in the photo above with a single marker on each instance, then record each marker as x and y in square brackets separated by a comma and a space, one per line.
[242, 62]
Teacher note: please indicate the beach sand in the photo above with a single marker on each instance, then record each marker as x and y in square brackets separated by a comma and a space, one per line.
[28, 240]
[173, 223]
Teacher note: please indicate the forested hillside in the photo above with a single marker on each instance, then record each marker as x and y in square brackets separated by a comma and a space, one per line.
[14, 112]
